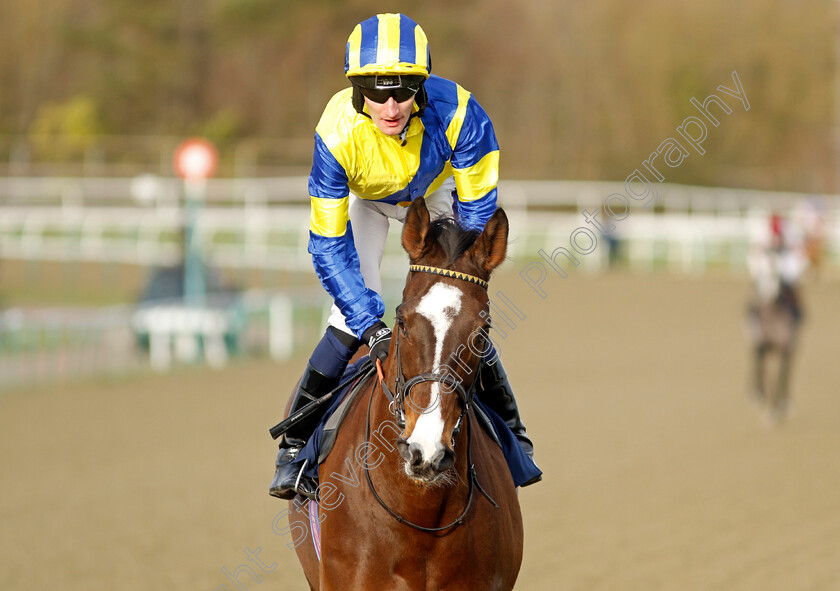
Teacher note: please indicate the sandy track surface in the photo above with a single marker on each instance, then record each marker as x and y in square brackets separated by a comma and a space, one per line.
[659, 473]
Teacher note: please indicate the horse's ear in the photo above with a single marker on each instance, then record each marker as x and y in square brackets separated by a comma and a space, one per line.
[416, 229]
[490, 247]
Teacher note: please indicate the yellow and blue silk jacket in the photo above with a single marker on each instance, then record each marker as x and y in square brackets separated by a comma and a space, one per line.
[452, 137]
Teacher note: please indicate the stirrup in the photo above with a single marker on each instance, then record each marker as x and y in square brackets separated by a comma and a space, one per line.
[306, 491]
[299, 476]
[280, 485]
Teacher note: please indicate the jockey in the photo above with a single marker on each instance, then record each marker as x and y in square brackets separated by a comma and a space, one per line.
[396, 134]
[777, 262]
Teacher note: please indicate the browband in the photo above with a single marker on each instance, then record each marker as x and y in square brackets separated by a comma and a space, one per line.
[448, 273]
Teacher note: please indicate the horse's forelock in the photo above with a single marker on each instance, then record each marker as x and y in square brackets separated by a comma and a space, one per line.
[452, 238]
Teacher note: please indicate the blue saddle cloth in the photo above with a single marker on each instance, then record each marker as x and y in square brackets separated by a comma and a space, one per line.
[522, 468]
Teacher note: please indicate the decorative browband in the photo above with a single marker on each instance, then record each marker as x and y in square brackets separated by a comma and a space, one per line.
[448, 273]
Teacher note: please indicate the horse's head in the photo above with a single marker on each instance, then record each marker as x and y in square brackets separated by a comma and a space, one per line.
[440, 337]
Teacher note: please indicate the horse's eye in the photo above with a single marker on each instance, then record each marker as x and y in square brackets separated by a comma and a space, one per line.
[401, 326]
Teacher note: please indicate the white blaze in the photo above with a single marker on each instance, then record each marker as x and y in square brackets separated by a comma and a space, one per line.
[440, 305]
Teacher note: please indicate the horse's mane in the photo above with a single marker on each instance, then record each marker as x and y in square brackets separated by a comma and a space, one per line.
[454, 239]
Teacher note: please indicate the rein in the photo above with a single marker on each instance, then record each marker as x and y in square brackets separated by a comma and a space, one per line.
[397, 398]
[472, 478]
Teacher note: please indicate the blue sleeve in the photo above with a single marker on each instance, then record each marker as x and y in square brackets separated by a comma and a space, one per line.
[328, 177]
[475, 162]
[473, 215]
[331, 243]
[337, 267]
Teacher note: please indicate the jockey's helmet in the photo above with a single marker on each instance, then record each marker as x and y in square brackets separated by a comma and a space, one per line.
[388, 55]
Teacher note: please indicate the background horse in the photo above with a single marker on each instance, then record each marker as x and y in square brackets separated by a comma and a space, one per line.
[415, 494]
[773, 323]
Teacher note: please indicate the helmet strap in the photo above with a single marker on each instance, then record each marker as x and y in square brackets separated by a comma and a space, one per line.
[359, 101]
[421, 99]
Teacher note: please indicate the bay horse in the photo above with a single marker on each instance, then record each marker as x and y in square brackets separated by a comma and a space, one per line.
[415, 495]
[773, 324]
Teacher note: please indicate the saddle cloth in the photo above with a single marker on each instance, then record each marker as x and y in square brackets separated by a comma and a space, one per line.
[319, 446]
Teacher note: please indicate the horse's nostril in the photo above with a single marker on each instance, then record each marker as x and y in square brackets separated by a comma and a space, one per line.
[412, 453]
[402, 447]
[444, 459]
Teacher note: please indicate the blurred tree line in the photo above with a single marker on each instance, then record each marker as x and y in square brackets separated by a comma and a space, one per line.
[577, 90]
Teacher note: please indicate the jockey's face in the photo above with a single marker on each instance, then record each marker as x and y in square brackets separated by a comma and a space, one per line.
[390, 117]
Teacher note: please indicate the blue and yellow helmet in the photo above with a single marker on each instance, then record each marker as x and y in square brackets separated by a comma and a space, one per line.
[387, 44]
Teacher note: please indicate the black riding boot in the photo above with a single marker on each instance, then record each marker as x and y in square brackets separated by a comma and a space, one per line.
[331, 355]
[288, 479]
[496, 392]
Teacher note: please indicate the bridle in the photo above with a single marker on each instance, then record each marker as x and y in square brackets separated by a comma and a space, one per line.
[448, 273]
[402, 388]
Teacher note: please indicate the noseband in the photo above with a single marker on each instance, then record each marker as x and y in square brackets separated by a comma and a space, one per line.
[402, 387]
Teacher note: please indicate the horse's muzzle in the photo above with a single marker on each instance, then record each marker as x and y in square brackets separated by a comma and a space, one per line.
[418, 467]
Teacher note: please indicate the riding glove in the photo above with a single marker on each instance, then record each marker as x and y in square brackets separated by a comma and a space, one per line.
[378, 339]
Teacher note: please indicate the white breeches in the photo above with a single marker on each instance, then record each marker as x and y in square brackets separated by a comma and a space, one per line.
[369, 220]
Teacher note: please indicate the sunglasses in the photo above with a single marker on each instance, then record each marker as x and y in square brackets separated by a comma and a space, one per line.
[380, 88]
[381, 95]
